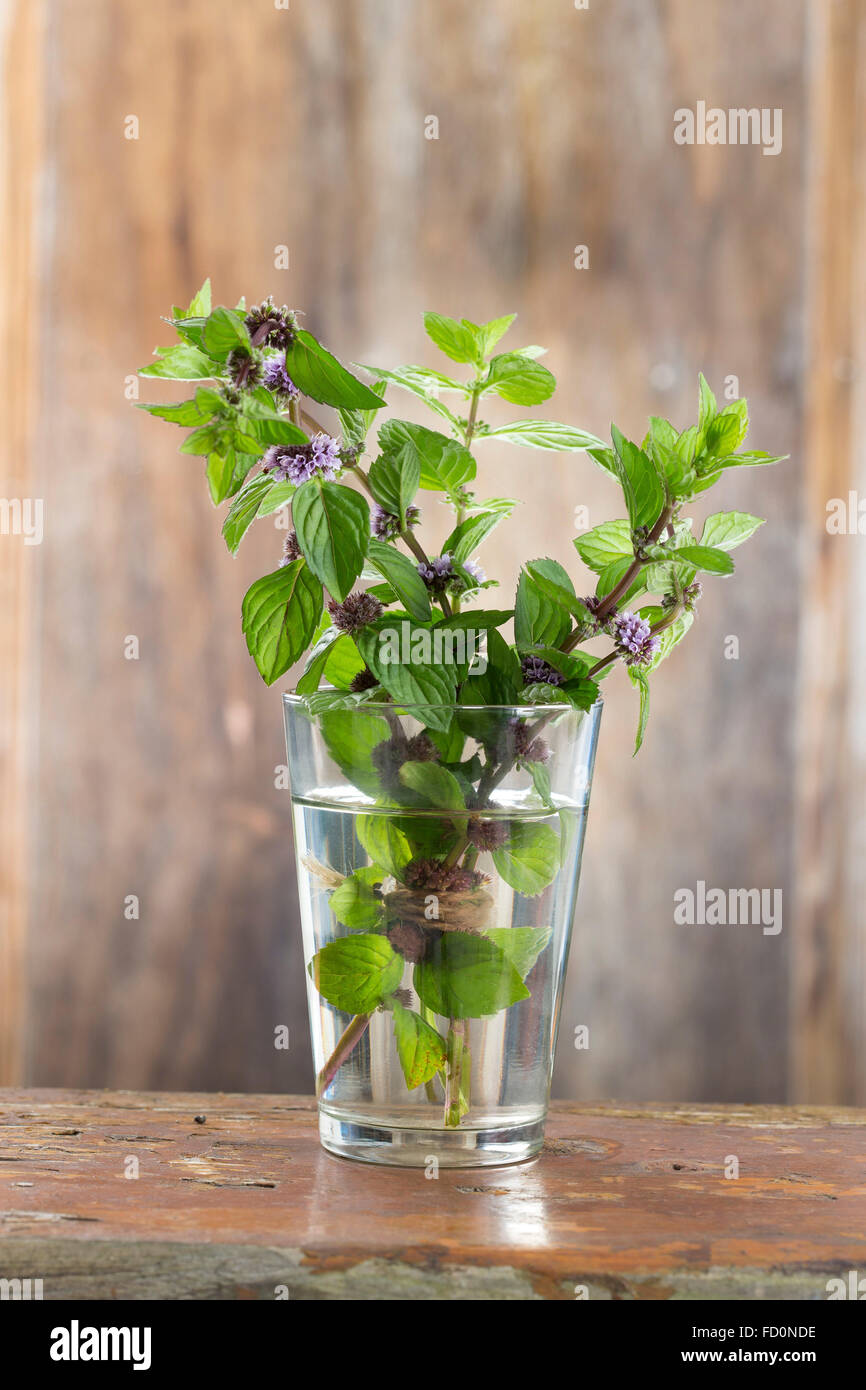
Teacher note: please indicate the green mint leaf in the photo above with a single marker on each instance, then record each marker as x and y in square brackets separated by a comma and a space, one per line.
[335, 657]
[421, 381]
[529, 860]
[184, 413]
[333, 528]
[605, 544]
[205, 440]
[466, 538]
[403, 577]
[420, 1048]
[355, 905]
[269, 426]
[357, 973]
[318, 374]
[573, 666]
[545, 434]
[481, 619]
[561, 594]
[411, 682]
[707, 407]
[538, 622]
[521, 945]
[200, 304]
[183, 362]
[456, 340]
[639, 680]
[704, 557]
[191, 330]
[726, 530]
[227, 469]
[488, 335]
[467, 976]
[244, 510]
[385, 843]
[424, 384]
[640, 482]
[748, 458]
[438, 787]
[519, 379]
[669, 638]
[280, 613]
[394, 477]
[727, 431]
[224, 331]
[444, 465]
[350, 738]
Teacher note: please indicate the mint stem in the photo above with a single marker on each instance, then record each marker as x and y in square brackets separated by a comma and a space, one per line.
[348, 1041]
[455, 1044]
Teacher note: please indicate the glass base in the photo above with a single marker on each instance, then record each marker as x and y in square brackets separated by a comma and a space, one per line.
[402, 1147]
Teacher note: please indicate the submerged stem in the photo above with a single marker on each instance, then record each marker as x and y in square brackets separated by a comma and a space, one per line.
[455, 1045]
[347, 1043]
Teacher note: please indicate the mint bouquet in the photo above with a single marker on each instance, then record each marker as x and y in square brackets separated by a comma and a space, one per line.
[408, 672]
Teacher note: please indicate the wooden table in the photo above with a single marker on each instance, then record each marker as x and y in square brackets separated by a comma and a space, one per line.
[625, 1202]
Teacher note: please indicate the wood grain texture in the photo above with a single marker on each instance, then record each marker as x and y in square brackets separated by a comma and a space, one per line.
[306, 128]
[829, 964]
[22, 41]
[631, 1202]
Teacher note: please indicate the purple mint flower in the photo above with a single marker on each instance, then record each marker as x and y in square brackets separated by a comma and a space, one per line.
[385, 526]
[634, 640]
[297, 463]
[538, 672]
[291, 549]
[268, 323]
[474, 570]
[276, 378]
[438, 574]
[520, 744]
[355, 611]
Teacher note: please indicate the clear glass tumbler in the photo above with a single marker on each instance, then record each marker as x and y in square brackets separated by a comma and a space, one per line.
[438, 853]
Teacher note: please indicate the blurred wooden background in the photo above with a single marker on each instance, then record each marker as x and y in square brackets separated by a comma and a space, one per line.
[261, 127]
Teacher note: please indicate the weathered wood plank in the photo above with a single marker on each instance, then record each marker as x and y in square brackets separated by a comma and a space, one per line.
[632, 1202]
[22, 41]
[828, 1024]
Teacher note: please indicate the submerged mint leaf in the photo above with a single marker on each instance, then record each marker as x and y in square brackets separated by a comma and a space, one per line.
[529, 860]
[350, 738]
[521, 945]
[355, 905]
[357, 973]
[420, 1048]
[438, 787]
[385, 843]
[467, 976]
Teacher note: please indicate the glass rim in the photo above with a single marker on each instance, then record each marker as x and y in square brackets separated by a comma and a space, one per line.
[295, 701]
